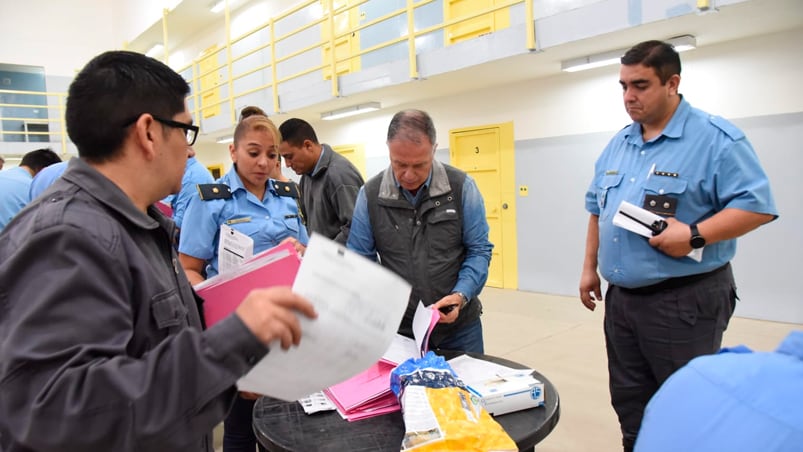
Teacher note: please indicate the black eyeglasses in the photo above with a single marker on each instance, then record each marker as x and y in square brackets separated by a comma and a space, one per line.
[190, 130]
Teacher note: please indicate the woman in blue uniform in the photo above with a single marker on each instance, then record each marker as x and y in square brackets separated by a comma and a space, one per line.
[247, 200]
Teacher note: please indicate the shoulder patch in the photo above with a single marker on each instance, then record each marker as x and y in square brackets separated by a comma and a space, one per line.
[209, 192]
[286, 189]
[726, 126]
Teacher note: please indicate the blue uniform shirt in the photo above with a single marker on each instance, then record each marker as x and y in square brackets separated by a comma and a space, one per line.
[45, 178]
[703, 161]
[267, 222]
[14, 186]
[194, 173]
[734, 401]
[474, 270]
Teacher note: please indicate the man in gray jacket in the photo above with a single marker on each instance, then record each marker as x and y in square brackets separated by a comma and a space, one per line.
[102, 345]
[329, 182]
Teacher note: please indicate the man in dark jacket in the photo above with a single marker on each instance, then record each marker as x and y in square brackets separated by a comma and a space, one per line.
[102, 345]
[329, 181]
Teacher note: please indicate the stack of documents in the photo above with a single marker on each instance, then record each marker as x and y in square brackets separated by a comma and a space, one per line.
[368, 393]
[222, 294]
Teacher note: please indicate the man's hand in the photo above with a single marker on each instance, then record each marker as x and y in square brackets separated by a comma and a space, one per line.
[674, 240]
[451, 303]
[590, 288]
[272, 314]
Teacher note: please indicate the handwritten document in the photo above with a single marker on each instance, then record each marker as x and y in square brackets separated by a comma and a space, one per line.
[359, 304]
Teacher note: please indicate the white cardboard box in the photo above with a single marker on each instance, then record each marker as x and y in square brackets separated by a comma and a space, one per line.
[500, 389]
[500, 396]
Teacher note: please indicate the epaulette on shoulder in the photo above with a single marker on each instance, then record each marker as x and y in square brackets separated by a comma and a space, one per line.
[726, 126]
[286, 188]
[209, 192]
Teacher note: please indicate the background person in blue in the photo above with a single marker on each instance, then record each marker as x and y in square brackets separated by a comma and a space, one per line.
[249, 203]
[735, 401]
[45, 178]
[699, 171]
[194, 173]
[426, 222]
[15, 183]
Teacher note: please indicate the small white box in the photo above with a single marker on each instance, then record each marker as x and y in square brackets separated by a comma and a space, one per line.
[505, 395]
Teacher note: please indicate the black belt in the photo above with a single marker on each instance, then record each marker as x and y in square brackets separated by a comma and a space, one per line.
[673, 283]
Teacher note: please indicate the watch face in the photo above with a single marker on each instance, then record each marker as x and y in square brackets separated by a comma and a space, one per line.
[697, 242]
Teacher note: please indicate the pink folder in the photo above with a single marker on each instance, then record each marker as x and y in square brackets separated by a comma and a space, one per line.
[222, 294]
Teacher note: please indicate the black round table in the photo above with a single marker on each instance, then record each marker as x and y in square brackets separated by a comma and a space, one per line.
[284, 426]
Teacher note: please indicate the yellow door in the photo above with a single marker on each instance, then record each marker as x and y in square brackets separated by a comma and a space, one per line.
[347, 44]
[471, 28]
[210, 83]
[355, 153]
[486, 154]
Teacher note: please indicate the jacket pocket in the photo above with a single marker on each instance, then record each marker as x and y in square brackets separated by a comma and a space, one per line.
[168, 310]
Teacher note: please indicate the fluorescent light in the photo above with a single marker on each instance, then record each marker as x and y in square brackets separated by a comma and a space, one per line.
[155, 51]
[218, 6]
[225, 140]
[592, 61]
[680, 43]
[351, 111]
[683, 43]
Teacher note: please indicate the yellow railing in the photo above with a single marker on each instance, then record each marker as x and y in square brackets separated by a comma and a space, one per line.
[16, 127]
[270, 68]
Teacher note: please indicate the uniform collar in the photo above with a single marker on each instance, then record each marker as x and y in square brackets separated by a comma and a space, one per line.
[232, 179]
[673, 129]
[323, 159]
[109, 194]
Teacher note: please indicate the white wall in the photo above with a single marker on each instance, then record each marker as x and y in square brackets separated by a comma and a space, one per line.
[62, 36]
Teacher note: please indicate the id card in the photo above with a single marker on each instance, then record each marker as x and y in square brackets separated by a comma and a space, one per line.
[234, 248]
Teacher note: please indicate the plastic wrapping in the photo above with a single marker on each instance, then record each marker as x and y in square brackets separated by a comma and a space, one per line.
[439, 413]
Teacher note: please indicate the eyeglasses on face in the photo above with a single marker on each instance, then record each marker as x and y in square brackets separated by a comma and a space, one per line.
[190, 130]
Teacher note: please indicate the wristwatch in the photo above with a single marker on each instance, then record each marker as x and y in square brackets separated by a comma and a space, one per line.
[697, 241]
[463, 298]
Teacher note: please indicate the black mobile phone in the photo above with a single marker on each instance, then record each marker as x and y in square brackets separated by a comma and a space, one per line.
[447, 309]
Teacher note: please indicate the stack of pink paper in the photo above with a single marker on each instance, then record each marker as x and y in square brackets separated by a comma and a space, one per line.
[222, 294]
[366, 394]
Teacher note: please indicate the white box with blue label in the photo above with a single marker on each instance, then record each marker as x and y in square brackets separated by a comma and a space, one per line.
[500, 389]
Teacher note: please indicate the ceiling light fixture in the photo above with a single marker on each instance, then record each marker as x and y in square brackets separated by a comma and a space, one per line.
[225, 140]
[155, 51]
[218, 6]
[680, 43]
[350, 111]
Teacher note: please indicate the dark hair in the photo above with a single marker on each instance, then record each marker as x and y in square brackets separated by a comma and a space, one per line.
[412, 124]
[295, 131]
[251, 110]
[111, 92]
[40, 158]
[658, 55]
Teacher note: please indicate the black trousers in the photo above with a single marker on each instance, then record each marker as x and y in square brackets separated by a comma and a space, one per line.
[651, 333]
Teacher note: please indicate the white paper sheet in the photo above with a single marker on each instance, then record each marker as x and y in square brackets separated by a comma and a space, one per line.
[359, 305]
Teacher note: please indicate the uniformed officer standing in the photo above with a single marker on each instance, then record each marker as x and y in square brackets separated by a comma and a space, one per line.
[245, 202]
[699, 171]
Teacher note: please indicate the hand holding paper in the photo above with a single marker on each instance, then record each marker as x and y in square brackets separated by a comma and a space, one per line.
[645, 223]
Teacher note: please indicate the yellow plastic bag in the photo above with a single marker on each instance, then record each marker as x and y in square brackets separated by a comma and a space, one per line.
[439, 412]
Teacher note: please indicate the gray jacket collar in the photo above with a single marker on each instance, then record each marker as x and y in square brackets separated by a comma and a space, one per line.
[439, 183]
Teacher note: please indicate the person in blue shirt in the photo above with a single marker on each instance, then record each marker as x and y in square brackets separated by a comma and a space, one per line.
[15, 183]
[737, 400]
[194, 173]
[247, 200]
[45, 179]
[699, 172]
[425, 220]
